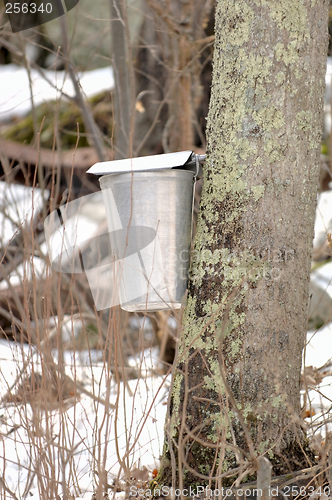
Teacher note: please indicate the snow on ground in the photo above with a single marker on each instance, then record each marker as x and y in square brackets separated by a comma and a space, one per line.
[87, 430]
[318, 352]
[327, 97]
[18, 206]
[323, 220]
[15, 96]
[319, 346]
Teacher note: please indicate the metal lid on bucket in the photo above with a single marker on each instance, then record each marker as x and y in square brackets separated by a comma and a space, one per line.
[186, 160]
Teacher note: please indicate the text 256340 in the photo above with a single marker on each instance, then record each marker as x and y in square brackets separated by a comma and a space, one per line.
[26, 8]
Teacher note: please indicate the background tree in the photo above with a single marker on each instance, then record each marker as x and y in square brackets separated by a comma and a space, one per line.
[236, 385]
[181, 30]
[173, 61]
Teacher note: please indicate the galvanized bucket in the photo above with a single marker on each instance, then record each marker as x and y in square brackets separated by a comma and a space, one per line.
[149, 216]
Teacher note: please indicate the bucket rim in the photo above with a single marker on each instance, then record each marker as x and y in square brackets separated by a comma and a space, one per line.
[174, 172]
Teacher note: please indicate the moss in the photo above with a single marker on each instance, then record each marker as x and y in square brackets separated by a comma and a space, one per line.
[263, 446]
[287, 53]
[258, 192]
[205, 469]
[291, 17]
[276, 401]
[66, 118]
[176, 400]
[304, 120]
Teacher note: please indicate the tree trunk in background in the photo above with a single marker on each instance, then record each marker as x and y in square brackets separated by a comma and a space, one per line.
[178, 45]
[183, 83]
[236, 384]
[124, 92]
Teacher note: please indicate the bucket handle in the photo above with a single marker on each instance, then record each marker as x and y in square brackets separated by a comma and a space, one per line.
[197, 167]
[198, 159]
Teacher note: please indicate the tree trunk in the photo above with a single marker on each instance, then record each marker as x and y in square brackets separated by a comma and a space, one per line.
[124, 94]
[236, 384]
[180, 41]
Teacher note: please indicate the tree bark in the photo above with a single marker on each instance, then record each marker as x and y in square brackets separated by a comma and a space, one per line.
[236, 383]
[124, 94]
[180, 40]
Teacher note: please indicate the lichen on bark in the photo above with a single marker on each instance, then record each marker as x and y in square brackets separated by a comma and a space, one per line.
[237, 373]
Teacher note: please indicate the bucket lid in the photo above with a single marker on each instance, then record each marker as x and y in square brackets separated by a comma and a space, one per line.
[183, 159]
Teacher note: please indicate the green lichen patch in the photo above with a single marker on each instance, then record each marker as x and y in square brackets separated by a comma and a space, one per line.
[176, 401]
[63, 122]
[258, 192]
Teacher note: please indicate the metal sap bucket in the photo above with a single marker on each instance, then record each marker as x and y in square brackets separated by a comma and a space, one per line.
[149, 215]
